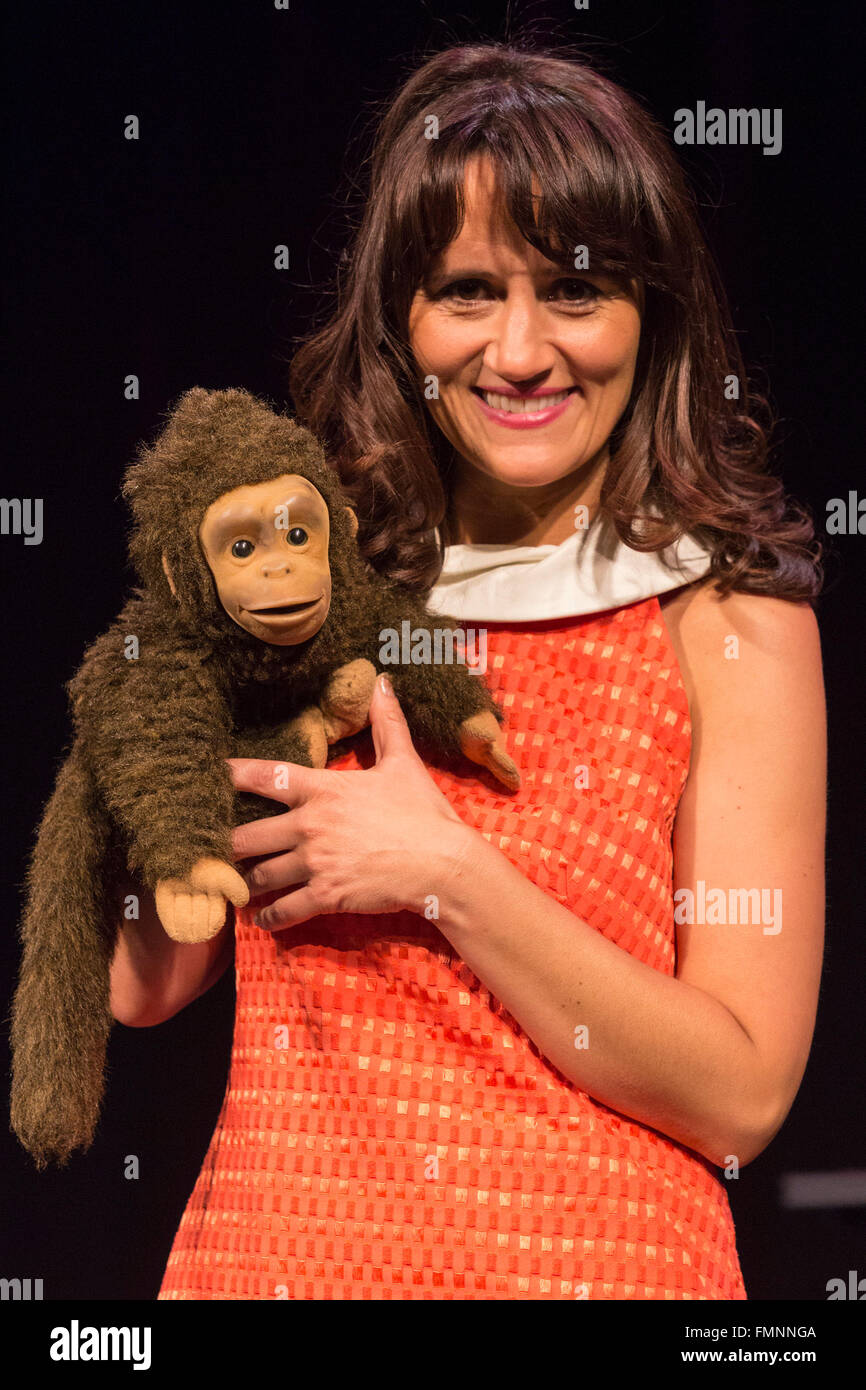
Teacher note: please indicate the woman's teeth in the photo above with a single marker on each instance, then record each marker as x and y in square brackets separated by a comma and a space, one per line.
[523, 405]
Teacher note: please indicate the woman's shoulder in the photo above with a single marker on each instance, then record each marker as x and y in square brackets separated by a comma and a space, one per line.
[700, 609]
[738, 648]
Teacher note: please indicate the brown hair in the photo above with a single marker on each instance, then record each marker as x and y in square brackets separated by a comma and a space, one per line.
[610, 181]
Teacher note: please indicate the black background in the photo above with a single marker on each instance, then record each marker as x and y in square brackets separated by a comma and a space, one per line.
[155, 257]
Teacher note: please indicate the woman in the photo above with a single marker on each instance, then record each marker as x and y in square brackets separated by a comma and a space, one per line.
[585, 998]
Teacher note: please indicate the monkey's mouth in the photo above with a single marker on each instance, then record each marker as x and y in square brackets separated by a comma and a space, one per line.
[282, 610]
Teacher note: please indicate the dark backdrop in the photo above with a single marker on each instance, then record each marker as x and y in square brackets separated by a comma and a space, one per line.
[155, 257]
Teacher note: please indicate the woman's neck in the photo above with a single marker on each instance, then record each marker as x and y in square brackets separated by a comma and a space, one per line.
[485, 511]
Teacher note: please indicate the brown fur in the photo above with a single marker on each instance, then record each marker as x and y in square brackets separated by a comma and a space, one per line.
[145, 784]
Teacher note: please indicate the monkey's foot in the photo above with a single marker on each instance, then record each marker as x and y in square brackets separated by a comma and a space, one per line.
[345, 704]
[194, 908]
[481, 741]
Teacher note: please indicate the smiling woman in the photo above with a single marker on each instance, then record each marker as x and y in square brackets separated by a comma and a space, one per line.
[475, 1054]
[590, 224]
[557, 356]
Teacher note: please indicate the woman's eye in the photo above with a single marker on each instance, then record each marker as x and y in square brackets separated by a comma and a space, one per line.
[462, 289]
[242, 549]
[577, 291]
[296, 536]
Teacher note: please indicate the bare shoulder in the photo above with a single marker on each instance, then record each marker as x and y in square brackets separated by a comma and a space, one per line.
[712, 634]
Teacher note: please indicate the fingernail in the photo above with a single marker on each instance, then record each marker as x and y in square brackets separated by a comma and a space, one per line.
[385, 685]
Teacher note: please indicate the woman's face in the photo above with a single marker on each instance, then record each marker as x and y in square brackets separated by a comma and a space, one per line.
[534, 363]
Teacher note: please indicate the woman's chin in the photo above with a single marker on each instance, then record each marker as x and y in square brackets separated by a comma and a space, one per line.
[536, 467]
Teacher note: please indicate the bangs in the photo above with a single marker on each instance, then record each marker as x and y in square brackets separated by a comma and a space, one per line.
[556, 179]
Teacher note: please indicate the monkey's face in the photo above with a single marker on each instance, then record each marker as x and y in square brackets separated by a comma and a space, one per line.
[267, 549]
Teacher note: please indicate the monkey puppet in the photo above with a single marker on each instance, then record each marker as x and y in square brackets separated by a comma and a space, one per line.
[256, 633]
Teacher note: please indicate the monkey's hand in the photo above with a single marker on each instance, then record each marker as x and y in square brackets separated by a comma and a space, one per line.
[345, 704]
[309, 727]
[481, 741]
[194, 908]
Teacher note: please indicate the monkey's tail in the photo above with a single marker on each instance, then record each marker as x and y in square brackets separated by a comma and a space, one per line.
[61, 1017]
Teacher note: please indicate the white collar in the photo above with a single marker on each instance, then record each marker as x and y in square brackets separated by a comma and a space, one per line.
[589, 572]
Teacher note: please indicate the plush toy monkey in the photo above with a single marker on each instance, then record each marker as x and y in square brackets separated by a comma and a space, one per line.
[256, 632]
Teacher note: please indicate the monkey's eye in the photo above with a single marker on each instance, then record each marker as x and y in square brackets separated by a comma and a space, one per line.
[242, 549]
[296, 536]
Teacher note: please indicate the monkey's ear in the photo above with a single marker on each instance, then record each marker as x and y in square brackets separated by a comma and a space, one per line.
[353, 522]
[167, 572]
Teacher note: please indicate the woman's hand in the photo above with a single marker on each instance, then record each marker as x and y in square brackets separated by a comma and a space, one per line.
[378, 840]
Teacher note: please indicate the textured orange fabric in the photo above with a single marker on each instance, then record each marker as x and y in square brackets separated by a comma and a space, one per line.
[388, 1130]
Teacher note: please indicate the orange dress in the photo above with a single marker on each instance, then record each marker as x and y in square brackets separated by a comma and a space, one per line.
[388, 1130]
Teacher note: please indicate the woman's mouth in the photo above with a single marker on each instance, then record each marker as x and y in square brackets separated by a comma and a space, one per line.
[523, 412]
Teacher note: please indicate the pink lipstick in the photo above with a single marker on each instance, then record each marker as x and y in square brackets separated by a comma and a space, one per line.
[523, 416]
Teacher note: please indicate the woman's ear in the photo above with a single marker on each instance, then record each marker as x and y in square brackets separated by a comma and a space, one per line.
[167, 572]
[353, 522]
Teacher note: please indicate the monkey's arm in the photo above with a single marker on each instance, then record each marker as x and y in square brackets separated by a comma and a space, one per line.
[158, 744]
[157, 730]
[442, 700]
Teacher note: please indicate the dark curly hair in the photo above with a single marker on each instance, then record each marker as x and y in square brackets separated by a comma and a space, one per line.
[609, 180]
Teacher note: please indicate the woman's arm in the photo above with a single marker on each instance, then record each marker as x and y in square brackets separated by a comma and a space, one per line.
[714, 1056]
[153, 977]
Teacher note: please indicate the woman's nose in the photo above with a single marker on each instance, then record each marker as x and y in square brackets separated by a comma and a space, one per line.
[518, 349]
